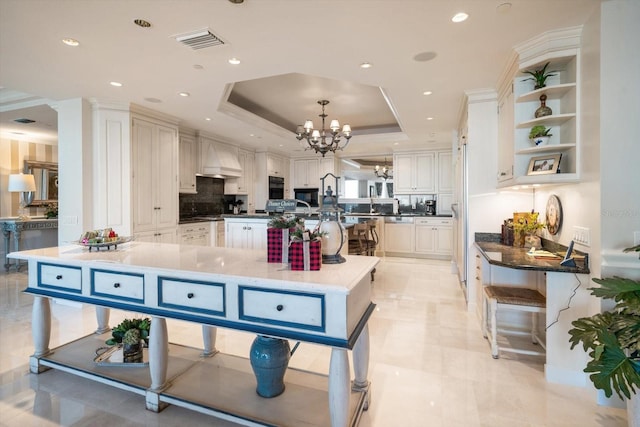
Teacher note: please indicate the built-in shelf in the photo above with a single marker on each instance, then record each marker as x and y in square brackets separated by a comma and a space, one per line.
[554, 120]
[547, 148]
[552, 92]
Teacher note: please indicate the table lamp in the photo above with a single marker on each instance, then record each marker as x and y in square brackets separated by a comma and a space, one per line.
[22, 183]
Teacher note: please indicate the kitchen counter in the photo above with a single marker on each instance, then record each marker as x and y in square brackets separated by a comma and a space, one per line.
[519, 258]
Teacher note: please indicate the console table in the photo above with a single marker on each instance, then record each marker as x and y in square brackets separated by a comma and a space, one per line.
[16, 227]
[214, 287]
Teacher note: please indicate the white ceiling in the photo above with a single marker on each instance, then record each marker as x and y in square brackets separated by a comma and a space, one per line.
[293, 53]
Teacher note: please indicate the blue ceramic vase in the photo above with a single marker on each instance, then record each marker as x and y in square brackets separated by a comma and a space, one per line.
[269, 359]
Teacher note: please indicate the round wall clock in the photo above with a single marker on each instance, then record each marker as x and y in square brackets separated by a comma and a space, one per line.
[553, 215]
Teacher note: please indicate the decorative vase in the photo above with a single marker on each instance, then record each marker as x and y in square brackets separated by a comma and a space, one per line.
[269, 360]
[543, 110]
[132, 353]
[540, 140]
[518, 239]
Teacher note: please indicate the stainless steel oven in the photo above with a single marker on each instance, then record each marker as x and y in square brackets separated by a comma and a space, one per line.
[276, 187]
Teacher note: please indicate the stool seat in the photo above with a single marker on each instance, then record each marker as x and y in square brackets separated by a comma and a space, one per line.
[511, 298]
[516, 296]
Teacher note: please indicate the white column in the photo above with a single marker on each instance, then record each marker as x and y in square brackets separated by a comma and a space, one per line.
[339, 377]
[361, 360]
[102, 316]
[158, 362]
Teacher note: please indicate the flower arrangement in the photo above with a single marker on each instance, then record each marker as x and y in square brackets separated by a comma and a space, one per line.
[285, 221]
[118, 333]
[528, 224]
[51, 210]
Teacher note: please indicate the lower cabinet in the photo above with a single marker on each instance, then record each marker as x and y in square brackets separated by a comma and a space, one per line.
[161, 235]
[399, 238]
[434, 236]
[194, 234]
[246, 234]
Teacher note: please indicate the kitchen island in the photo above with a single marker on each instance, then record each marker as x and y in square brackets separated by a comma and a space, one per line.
[214, 287]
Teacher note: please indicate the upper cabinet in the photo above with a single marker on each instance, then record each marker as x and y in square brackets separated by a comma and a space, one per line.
[522, 161]
[275, 165]
[306, 173]
[242, 185]
[188, 163]
[414, 173]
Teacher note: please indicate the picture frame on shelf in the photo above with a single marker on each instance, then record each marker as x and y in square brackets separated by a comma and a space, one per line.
[544, 165]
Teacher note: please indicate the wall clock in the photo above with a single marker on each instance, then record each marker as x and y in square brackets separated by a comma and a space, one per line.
[553, 215]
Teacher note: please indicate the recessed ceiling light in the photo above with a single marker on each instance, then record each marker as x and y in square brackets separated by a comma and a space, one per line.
[185, 94]
[198, 67]
[153, 100]
[396, 143]
[71, 42]
[208, 119]
[116, 84]
[234, 61]
[459, 17]
[427, 92]
[366, 65]
[424, 56]
[142, 23]
[281, 145]
[251, 135]
[429, 118]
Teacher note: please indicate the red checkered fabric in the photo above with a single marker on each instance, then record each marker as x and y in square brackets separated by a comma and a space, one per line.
[275, 244]
[297, 255]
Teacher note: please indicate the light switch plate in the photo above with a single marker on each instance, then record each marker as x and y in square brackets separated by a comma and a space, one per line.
[582, 235]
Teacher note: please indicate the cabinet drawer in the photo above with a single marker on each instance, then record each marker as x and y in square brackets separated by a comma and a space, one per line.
[124, 286]
[199, 297]
[282, 308]
[59, 277]
[433, 222]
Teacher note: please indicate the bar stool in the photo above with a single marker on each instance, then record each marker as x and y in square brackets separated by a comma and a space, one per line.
[511, 298]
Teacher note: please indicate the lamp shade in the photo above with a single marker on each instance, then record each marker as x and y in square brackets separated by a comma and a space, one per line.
[22, 183]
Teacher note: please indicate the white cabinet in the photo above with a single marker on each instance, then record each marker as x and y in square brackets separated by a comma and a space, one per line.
[187, 168]
[246, 234]
[399, 238]
[434, 236]
[194, 234]
[164, 235]
[505, 133]
[242, 185]
[306, 173]
[154, 177]
[445, 172]
[275, 165]
[414, 173]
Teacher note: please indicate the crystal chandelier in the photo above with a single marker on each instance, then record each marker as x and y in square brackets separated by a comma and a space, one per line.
[323, 141]
[385, 173]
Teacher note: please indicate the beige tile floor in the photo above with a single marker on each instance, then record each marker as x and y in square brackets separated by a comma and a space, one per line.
[430, 365]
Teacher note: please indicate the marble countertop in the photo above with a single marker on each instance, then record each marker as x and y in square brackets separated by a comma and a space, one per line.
[512, 257]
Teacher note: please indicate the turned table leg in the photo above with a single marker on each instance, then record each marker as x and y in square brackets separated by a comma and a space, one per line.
[102, 316]
[158, 362]
[339, 378]
[41, 331]
[209, 334]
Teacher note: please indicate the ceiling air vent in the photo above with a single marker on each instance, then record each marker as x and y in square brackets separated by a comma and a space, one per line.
[25, 121]
[199, 39]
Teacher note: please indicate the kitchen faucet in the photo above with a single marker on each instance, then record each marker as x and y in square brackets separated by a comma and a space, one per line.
[307, 205]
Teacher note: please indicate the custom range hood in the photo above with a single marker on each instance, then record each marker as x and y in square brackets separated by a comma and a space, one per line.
[220, 161]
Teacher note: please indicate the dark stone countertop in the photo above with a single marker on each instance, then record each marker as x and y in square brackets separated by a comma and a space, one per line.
[512, 257]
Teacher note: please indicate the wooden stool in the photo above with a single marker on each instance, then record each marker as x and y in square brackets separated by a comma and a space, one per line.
[511, 298]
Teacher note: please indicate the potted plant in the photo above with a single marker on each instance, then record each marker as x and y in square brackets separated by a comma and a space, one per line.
[143, 326]
[525, 227]
[612, 340]
[539, 76]
[236, 206]
[539, 135]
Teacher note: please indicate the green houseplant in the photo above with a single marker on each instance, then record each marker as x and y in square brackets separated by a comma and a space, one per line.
[612, 338]
[538, 131]
[142, 325]
[539, 76]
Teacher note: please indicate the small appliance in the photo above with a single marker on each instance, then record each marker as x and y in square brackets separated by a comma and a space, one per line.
[308, 195]
[430, 207]
[276, 187]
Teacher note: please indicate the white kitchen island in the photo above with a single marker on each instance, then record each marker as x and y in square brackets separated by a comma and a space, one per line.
[214, 287]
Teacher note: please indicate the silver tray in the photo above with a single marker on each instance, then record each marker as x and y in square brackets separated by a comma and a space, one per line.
[112, 356]
[105, 245]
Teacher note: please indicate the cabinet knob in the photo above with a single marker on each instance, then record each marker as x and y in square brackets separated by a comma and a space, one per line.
[116, 285]
[190, 295]
[59, 276]
[280, 307]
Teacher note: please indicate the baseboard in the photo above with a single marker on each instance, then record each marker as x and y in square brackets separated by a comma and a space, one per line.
[558, 375]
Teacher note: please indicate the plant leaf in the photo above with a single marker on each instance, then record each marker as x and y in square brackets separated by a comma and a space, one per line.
[588, 329]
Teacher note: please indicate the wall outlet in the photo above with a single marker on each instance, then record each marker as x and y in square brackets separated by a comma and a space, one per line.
[581, 236]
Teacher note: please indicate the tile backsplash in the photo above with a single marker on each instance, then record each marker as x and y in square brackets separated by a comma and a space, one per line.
[209, 200]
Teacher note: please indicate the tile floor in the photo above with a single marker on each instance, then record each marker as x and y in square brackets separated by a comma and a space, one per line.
[430, 365]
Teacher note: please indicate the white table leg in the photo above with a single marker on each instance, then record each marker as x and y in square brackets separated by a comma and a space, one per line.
[361, 360]
[158, 362]
[339, 377]
[102, 316]
[41, 331]
[209, 334]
